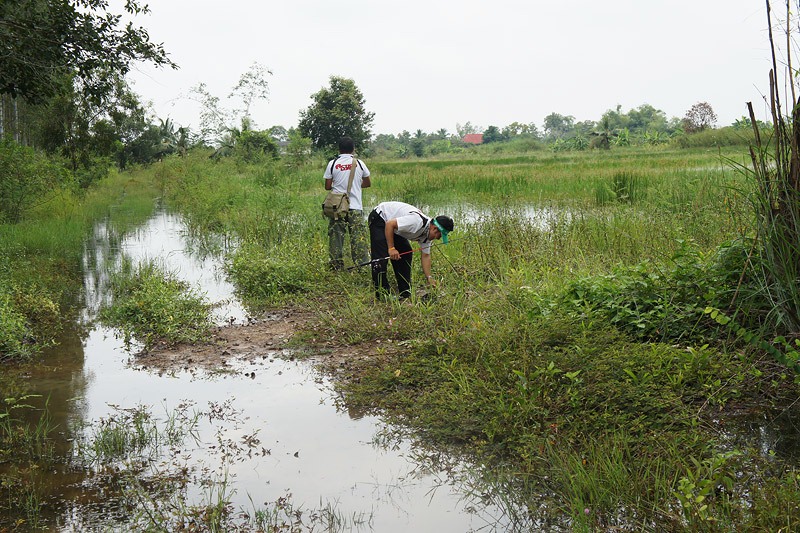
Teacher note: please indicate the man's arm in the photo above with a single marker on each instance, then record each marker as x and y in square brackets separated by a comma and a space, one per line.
[328, 181]
[391, 226]
[365, 181]
[426, 268]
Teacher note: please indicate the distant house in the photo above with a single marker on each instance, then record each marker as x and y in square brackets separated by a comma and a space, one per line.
[473, 138]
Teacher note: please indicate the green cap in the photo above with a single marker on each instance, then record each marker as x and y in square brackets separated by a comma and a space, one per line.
[444, 231]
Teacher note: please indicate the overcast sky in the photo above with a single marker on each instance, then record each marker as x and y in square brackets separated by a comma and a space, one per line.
[432, 64]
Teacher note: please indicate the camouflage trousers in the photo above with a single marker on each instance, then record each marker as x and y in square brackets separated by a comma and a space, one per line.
[354, 225]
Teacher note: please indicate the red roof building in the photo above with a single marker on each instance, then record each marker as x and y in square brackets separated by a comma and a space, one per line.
[473, 138]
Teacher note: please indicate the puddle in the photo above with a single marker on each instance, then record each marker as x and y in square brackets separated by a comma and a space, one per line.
[538, 217]
[281, 432]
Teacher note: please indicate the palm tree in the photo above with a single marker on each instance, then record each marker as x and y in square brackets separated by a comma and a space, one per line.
[603, 137]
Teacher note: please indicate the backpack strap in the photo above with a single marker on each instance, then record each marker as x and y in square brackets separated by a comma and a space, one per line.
[333, 163]
[425, 222]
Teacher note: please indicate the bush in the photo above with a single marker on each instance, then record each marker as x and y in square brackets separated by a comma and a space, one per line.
[649, 303]
[260, 279]
[28, 321]
[13, 330]
[714, 138]
[25, 179]
[153, 306]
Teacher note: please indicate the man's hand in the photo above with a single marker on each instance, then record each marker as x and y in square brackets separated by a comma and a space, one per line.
[394, 255]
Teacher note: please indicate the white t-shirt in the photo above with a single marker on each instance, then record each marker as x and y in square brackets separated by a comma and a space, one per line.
[339, 170]
[411, 222]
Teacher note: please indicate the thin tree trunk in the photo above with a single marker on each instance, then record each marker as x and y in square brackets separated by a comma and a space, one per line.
[16, 120]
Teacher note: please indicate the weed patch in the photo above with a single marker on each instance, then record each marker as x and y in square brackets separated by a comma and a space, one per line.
[153, 306]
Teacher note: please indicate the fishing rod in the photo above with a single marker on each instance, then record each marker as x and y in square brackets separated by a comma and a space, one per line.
[371, 261]
[365, 263]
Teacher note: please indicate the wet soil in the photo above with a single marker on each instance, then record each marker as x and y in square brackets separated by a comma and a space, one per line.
[274, 334]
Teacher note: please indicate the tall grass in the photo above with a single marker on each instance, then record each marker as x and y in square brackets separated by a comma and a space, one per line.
[776, 204]
[769, 287]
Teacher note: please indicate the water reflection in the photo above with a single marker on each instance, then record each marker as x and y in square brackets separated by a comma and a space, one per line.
[280, 432]
[543, 218]
[775, 433]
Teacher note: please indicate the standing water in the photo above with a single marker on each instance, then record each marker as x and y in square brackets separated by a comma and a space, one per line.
[266, 436]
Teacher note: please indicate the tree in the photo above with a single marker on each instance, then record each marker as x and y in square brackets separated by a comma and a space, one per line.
[644, 118]
[418, 146]
[492, 134]
[602, 137]
[647, 118]
[337, 111]
[699, 117]
[252, 86]
[531, 130]
[299, 149]
[44, 40]
[81, 130]
[513, 130]
[585, 127]
[279, 133]
[745, 123]
[216, 121]
[614, 119]
[557, 126]
[466, 129]
[27, 176]
[246, 143]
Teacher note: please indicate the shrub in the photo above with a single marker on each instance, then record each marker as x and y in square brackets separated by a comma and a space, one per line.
[28, 321]
[650, 303]
[153, 306]
[260, 279]
[13, 330]
[713, 138]
[25, 179]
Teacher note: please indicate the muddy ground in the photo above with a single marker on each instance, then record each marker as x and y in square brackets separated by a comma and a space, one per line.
[273, 335]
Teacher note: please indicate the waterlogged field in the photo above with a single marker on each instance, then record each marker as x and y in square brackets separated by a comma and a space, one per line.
[567, 349]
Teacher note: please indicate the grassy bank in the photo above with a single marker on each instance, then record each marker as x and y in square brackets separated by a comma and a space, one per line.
[41, 278]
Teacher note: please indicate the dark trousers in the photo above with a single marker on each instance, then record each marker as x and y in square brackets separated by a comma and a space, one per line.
[379, 249]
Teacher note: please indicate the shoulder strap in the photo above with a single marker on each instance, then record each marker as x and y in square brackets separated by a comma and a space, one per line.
[353, 166]
[424, 225]
[332, 163]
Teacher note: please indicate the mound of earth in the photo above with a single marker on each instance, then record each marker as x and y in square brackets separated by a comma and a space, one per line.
[267, 337]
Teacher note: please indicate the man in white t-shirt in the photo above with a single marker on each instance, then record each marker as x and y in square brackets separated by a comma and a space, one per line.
[337, 174]
[391, 226]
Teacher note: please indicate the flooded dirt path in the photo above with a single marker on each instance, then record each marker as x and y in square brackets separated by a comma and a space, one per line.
[272, 428]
